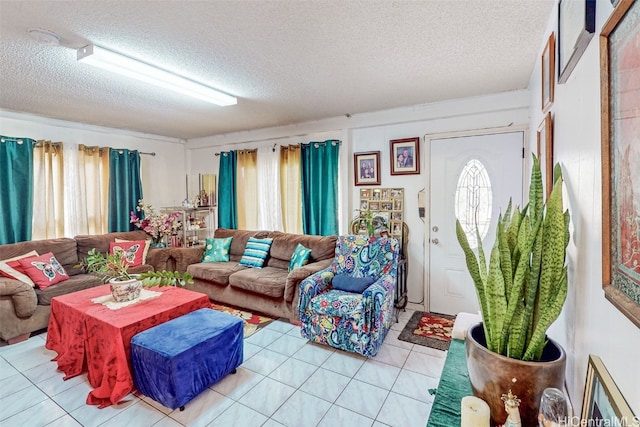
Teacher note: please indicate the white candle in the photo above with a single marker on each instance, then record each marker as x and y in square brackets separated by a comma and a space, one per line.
[474, 412]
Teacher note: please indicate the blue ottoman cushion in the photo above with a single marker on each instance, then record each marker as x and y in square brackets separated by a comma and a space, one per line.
[175, 361]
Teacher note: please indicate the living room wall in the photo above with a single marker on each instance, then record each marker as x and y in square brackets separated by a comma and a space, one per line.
[163, 175]
[372, 132]
[589, 323]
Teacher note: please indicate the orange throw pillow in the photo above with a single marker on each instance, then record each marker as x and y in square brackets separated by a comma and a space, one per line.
[12, 269]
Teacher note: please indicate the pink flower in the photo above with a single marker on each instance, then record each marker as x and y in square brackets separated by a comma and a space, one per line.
[157, 225]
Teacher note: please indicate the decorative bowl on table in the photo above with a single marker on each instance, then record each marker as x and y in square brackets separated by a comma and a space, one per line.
[125, 290]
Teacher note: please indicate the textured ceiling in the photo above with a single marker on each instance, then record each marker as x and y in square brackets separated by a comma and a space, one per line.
[287, 61]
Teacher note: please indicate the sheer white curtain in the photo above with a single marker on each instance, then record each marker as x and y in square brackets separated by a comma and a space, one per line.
[48, 195]
[291, 188]
[269, 201]
[246, 190]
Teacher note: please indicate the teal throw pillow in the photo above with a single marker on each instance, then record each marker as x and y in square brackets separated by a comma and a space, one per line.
[351, 284]
[255, 253]
[217, 250]
[299, 257]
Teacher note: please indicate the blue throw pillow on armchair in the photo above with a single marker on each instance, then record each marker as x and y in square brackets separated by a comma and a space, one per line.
[351, 284]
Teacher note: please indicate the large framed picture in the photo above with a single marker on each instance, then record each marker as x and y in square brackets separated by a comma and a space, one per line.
[548, 65]
[576, 26]
[366, 168]
[405, 156]
[602, 403]
[545, 152]
[620, 74]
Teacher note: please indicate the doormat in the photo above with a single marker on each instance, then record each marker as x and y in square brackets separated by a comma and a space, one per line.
[253, 322]
[429, 330]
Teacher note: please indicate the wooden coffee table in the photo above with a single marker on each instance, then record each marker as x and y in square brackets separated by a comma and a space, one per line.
[89, 336]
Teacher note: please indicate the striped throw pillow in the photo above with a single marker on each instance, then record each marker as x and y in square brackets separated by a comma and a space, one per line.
[255, 253]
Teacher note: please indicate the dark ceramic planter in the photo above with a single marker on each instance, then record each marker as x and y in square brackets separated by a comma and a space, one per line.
[491, 375]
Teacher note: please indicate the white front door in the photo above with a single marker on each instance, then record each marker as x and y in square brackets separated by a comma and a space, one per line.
[470, 176]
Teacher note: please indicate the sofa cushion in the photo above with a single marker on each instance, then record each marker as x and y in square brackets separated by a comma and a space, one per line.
[101, 242]
[12, 269]
[64, 249]
[256, 252]
[217, 272]
[300, 257]
[74, 284]
[338, 303]
[267, 281]
[322, 247]
[45, 270]
[217, 250]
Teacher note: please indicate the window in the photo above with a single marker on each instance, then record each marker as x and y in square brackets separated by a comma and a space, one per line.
[473, 200]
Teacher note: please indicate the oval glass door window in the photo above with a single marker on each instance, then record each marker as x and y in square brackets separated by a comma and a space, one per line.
[473, 200]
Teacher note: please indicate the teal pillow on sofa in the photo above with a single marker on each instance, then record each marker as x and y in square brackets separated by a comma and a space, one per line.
[217, 250]
[255, 253]
[351, 284]
[299, 257]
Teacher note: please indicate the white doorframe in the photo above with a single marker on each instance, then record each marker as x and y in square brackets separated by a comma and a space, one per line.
[427, 153]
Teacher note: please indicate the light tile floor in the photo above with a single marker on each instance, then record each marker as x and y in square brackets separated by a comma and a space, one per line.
[284, 381]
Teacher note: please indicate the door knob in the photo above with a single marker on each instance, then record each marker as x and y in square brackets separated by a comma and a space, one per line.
[435, 241]
[435, 228]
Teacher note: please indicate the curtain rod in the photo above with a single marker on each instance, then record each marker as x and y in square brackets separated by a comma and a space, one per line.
[293, 146]
[147, 154]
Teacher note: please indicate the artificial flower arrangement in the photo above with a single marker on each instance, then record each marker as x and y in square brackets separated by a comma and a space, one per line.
[157, 225]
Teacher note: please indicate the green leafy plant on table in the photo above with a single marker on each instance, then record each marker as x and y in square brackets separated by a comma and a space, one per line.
[114, 266]
[523, 289]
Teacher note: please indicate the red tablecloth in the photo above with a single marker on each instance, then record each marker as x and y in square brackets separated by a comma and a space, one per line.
[91, 336]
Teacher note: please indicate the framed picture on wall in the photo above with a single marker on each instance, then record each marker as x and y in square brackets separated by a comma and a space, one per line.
[620, 47]
[366, 168]
[548, 65]
[405, 156]
[576, 26]
[545, 152]
[602, 403]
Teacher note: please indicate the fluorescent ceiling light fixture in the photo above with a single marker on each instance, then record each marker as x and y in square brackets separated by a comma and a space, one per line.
[112, 61]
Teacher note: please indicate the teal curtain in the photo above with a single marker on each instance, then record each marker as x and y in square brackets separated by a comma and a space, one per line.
[125, 188]
[227, 208]
[319, 170]
[16, 189]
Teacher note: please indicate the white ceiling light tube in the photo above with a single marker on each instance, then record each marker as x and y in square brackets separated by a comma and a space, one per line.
[117, 63]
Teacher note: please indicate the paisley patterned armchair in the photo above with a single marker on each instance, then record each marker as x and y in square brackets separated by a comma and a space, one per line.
[356, 322]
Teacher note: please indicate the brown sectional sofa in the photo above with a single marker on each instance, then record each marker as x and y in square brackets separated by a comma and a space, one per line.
[24, 309]
[271, 290]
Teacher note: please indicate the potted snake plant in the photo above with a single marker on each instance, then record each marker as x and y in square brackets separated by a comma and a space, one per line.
[112, 268]
[521, 292]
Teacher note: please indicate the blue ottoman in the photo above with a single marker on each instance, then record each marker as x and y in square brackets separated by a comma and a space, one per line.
[175, 361]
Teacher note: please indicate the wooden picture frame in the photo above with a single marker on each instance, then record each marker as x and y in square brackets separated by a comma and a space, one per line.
[602, 402]
[548, 66]
[576, 26]
[366, 168]
[545, 152]
[620, 126]
[405, 156]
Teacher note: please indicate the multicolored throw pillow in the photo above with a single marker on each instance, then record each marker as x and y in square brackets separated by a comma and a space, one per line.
[12, 269]
[217, 250]
[44, 270]
[299, 257]
[133, 251]
[255, 253]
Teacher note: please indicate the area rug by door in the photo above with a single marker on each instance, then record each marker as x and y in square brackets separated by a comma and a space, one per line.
[429, 329]
[252, 321]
